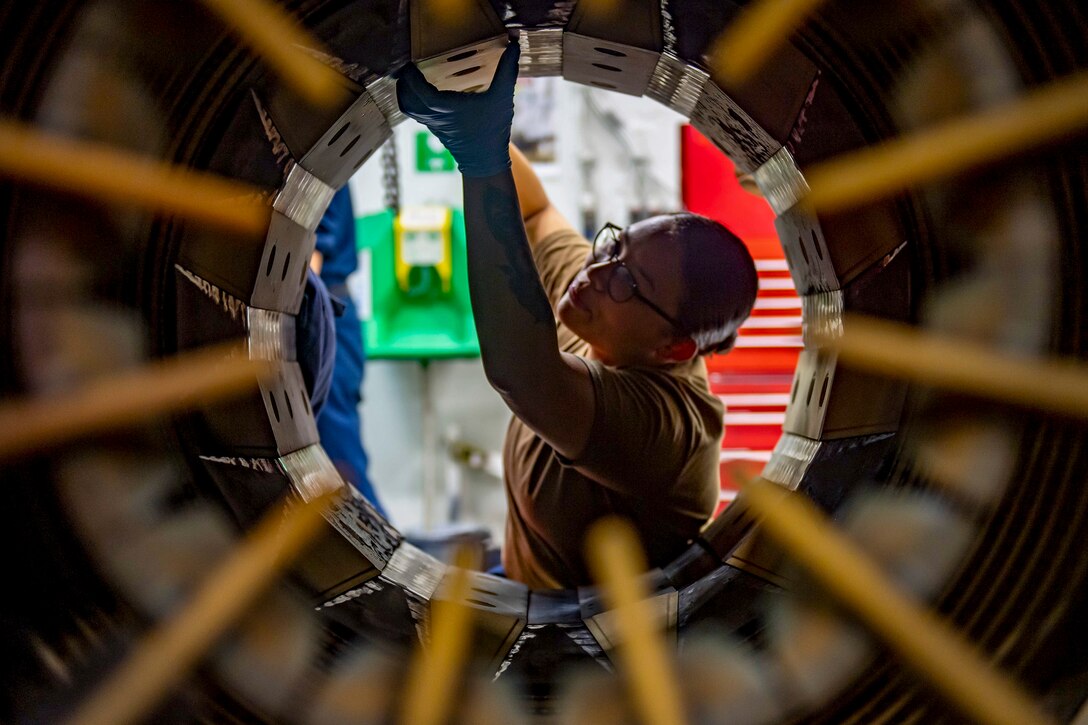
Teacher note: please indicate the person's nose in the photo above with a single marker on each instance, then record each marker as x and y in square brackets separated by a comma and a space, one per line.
[599, 273]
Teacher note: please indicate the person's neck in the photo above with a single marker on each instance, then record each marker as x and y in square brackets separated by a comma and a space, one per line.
[595, 354]
[648, 361]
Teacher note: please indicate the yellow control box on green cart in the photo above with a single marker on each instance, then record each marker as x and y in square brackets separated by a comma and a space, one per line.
[416, 277]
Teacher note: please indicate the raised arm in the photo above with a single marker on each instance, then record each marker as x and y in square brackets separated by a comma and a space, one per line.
[537, 212]
[550, 391]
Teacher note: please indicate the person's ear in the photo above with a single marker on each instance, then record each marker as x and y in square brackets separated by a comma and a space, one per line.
[680, 351]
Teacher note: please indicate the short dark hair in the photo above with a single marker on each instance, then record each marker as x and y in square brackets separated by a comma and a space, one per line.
[720, 281]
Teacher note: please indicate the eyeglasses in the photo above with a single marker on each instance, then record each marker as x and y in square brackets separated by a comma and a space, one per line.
[616, 278]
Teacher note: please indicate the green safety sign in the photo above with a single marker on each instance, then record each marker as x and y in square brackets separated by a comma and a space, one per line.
[431, 155]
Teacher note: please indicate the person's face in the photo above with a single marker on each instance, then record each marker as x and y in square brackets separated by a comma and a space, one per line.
[631, 331]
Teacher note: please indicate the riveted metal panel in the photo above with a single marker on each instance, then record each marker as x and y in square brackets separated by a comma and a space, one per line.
[353, 518]
[883, 290]
[676, 84]
[792, 456]
[335, 565]
[810, 393]
[781, 181]
[591, 599]
[332, 568]
[806, 251]
[414, 570]
[774, 97]
[830, 252]
[350, 141]
[384, 92]
[821, 316]
[663, 611]
[303, 198]
[271, 420]
[292, 121]
[489, 593]
[723, 121]
[541, 52]
[271, 335]
[287, 405]
[275, 417]
[829, 400]
[500, 611]
[281, 273]
[361, 524]
[248, 270]
[606, 64]
[467, 69]
[601, 621]
[310, 472]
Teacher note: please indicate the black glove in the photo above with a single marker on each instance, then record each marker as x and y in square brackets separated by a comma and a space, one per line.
[475, 127]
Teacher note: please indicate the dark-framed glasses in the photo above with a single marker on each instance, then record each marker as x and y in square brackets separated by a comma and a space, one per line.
[616, 277]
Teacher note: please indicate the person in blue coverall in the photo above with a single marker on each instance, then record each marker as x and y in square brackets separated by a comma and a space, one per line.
[338, 424]
[315, 340]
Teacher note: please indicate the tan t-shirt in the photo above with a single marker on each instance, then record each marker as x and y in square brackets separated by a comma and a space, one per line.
[652, 456]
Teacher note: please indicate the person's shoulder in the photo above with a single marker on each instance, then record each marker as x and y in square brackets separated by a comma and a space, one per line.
[684, 385]
[694, 376]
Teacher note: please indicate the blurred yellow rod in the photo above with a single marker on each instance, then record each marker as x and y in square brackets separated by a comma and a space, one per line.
[600, 8]
[435, 672]
[901, 351]
[451, 11]
[163, 386]
[927, 155]
[99, 172]
[276, 36]
[928, 644]
[166, 654]
[750, 41]
[616, 561]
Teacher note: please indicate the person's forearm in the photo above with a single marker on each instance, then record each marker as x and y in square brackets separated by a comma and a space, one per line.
[514, 319]
[531, 194]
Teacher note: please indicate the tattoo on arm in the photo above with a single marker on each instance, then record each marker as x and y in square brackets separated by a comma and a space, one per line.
[505, 224]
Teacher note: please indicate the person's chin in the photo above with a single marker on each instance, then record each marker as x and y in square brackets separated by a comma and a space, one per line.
[566, 310]
[572, 316]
